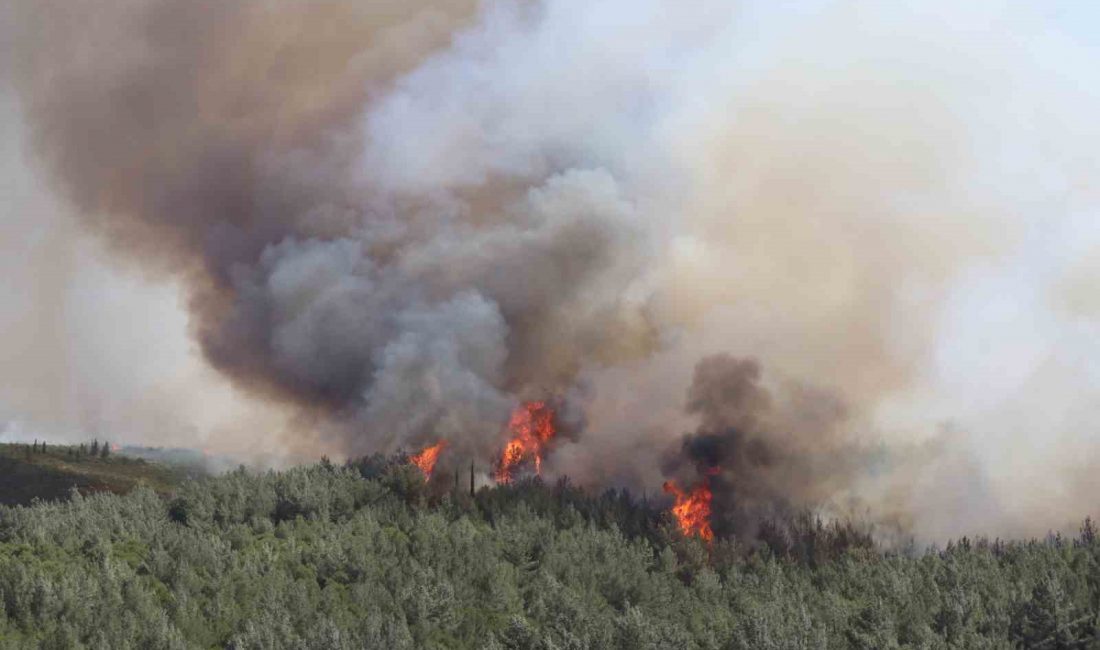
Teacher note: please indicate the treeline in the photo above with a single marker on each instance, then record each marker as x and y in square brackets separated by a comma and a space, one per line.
[94, 450]
[370, 556]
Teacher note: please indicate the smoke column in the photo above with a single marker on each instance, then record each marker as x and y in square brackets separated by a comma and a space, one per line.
[395, 220]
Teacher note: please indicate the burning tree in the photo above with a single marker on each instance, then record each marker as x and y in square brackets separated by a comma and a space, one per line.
[692, 509]
[532, 429]
[426, 459]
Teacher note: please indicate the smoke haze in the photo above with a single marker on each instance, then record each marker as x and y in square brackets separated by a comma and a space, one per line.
[852, 248]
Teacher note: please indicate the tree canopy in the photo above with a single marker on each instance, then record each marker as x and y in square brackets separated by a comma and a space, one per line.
[366, 556]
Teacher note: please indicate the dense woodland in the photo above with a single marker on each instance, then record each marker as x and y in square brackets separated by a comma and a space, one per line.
[366, 556]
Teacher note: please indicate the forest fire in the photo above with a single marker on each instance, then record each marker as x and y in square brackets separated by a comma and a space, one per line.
[532, 428]
[692, 509]
[425, 460]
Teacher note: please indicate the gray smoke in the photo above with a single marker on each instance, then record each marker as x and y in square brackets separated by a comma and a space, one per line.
[219, 141]
[398, 219]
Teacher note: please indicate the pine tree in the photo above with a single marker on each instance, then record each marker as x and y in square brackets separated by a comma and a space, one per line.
[95, 447]
[1088, 532]
[104, 450]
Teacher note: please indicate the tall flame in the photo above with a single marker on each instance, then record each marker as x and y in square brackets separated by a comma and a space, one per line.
[426, 459]
[532, 428]
[692, 509]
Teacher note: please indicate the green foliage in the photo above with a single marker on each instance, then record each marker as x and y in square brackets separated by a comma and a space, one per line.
[323, 557]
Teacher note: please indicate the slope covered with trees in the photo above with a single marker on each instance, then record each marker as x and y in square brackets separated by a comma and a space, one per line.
[47, 472]
[365, 556]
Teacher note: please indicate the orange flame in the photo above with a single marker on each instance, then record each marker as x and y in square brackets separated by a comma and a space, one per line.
[532, 428]
[692, 509]
[426, 459]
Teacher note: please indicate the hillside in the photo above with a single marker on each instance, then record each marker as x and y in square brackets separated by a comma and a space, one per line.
[369, 556]
[28, 473]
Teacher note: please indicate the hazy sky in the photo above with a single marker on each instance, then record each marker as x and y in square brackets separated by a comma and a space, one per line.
[91, 347]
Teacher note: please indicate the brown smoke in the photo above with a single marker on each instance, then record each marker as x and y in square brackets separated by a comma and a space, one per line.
[195, 135]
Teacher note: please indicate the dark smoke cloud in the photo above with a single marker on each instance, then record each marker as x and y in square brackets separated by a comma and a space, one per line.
[763, 456]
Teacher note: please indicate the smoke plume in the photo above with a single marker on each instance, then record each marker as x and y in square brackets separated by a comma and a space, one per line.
[397, 220]
[762, 455]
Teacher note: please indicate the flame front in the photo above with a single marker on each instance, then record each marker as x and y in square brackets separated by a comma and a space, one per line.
[692, 509]
[427, 458]
[532, 429]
